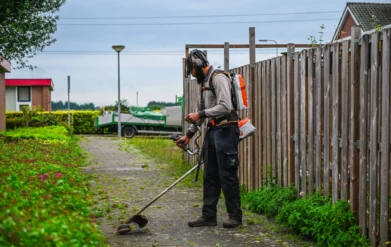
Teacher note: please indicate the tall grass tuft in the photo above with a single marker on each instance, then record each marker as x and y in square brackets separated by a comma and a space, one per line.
[166, 152]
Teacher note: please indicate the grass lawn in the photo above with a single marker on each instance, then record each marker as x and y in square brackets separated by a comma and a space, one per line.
[44, 196]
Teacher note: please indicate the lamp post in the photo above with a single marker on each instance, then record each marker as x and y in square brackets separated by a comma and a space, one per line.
[118, 49]
[266, 40]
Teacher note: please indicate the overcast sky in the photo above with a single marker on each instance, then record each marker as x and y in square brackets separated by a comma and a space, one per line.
[151, 63]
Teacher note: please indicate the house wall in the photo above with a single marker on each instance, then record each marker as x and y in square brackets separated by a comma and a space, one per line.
[41, 96]
[2, 102]
[10, 99]
[347, 27]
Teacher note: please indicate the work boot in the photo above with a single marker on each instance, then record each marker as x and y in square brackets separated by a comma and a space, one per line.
[202, 221]
[232, 223]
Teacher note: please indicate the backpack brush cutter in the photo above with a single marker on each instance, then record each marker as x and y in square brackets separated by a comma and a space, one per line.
[141, 220]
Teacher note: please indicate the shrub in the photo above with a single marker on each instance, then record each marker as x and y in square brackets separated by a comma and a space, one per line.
[315, 216]
[82, 122]
[269, 200]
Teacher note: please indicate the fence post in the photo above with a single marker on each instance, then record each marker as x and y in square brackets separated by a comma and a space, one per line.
[364, 53]
[385, 147]
[303, 121]
[326, 119]
[319, 118]
[226, 56]
[373, 138]
[310, 116]
[252, 111]
[296, 111]
[336, 121]
[290, 113]
[344, 116]
[354, 119]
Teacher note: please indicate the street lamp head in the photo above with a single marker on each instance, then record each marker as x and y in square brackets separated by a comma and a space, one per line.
[118, 48]
[263, 40]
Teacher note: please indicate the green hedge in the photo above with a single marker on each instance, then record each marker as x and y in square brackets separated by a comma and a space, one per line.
[82, 122]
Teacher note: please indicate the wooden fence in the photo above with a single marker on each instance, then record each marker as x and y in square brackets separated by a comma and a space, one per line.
[323, 123]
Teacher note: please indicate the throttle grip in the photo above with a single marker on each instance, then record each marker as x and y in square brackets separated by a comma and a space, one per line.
[175, 137]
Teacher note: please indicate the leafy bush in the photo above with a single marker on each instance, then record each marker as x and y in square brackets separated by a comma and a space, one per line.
[13, 123]
[45, 198]
[269, 200]
[315, 216]
[82, 122]
[329, 224]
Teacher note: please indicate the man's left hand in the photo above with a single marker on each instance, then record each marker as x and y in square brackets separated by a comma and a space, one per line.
[192, 117]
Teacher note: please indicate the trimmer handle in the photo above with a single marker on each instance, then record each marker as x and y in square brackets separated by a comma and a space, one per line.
[175, 137]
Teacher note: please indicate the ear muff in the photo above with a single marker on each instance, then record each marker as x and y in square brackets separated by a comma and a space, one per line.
[196, 59]
[197, 63]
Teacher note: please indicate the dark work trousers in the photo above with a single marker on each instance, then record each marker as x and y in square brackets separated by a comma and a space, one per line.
[221, 170]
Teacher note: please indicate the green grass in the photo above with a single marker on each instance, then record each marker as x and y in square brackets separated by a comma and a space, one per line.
[54, 133]
[45, 199]
[166, 152]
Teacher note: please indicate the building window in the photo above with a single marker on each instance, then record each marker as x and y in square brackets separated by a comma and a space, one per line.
[24, 94]
[22, 106]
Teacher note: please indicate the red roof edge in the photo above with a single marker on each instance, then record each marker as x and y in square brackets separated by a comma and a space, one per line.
[30, 82]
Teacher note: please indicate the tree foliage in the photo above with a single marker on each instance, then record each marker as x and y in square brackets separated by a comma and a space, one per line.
[157, 105]
[27, 26]
[59, 105]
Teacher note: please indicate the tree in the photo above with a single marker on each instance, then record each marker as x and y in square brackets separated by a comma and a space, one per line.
[26, 26]
[125, 107]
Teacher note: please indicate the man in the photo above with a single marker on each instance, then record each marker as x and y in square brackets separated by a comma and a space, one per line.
[220, 148]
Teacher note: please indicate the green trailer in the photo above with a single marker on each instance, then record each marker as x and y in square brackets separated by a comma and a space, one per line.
[142, 120]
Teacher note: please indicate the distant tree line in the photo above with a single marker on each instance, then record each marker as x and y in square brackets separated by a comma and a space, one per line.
[125, 107]
[157, 105]
[59, 105]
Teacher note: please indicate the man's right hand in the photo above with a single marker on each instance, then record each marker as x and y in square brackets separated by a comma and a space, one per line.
[183, 141]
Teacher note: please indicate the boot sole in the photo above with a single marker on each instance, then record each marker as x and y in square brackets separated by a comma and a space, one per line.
[202, 224]
[231, 226]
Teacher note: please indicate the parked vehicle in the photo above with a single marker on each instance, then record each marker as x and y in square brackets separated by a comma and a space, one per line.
[142, 120]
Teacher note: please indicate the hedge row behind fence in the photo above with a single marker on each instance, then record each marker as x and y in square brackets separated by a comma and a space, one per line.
[82, 122]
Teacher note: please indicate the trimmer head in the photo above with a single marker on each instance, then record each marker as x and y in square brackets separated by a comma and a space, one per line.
[140, 220]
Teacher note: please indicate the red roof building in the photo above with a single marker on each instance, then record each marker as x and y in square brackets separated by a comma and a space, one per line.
[28, 92]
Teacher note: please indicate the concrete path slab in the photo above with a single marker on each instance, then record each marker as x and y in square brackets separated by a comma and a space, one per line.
[125, 180]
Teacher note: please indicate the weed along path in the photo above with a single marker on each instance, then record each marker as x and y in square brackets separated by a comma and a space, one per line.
[125, 179]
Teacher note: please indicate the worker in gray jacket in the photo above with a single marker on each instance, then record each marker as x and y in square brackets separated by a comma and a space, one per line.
[220, 147]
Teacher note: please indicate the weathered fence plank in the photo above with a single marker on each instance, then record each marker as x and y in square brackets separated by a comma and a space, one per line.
[326, 131]
[319, 118]
[310, 87]
[354, 120]
[273, 117]
[284, 121]
[279, 117]
[363, 133]
[264, 126]
[269, 119]
[385, 147]
[297, 121]
[336, 119]
[344, 120]
[303, 121]
[373, 139]
[290, 111]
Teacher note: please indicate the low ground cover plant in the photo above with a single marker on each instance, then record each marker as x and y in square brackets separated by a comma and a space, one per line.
[314, 216]
[44, 196]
